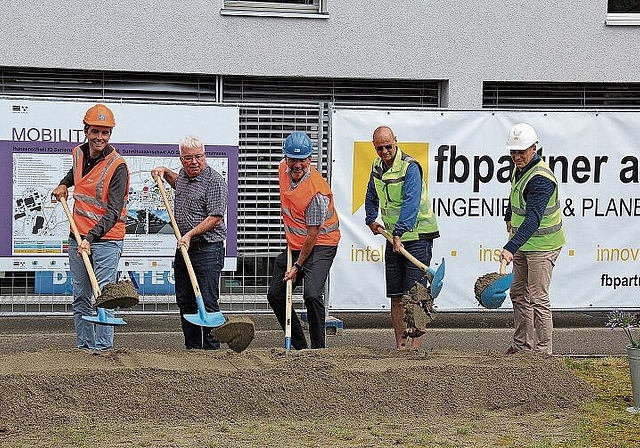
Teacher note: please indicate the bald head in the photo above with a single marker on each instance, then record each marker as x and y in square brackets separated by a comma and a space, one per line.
[383, 132]
[385, 144]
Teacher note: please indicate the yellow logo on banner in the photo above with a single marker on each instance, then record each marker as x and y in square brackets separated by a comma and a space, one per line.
[363, 156]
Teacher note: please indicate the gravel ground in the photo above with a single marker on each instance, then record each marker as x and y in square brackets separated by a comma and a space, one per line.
[460, 389]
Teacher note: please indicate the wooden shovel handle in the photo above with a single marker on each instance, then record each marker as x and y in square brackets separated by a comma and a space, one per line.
[185, 253]
[289, 299]
[404, 252]
[85, 256]
[503, 266]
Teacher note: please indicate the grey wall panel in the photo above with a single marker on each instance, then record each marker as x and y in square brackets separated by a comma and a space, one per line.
[465, 43]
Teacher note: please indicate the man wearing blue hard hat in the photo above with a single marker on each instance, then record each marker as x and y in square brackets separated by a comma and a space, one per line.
[312, 232]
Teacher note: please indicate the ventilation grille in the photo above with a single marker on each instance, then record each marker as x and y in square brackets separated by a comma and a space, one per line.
[263, 128]
[346, 92]
[85, 84]
[531, 95]
[262, 132]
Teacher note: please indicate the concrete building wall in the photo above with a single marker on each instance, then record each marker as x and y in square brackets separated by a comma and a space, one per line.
[464, 43]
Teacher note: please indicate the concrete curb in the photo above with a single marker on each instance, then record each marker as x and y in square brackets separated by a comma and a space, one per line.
[267, 321]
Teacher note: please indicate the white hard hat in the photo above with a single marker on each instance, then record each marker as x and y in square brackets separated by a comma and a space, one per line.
[521, 136]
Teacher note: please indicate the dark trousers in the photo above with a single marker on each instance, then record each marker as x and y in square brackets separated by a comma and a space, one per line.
[314, 272]
[400, 273]
[207, 261]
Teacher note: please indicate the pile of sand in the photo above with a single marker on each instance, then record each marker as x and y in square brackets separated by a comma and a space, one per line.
[48, 388]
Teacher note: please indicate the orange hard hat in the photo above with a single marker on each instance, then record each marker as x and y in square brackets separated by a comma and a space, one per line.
[100, 115]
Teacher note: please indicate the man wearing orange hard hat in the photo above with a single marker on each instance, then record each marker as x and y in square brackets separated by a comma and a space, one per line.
[100, 180]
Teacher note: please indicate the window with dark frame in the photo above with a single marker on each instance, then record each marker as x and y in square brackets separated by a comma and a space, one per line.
[623, 12]
[311, 8]
[300, 2]
[623, 6]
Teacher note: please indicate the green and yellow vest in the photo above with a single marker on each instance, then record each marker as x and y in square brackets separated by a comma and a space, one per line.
[389, 188]
[550, 233]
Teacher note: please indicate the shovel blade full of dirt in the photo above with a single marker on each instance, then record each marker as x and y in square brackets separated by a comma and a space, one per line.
[491, 289]
[435, 276]
[121, 294]
[113, 295]
[237, 333]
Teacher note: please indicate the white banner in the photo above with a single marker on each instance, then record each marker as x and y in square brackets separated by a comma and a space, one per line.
[594, 156]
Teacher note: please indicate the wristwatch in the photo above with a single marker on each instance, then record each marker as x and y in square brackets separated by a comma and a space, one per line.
[298, 267]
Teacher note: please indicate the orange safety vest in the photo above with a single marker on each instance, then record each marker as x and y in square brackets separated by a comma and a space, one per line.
[90, 194]
[294, 204]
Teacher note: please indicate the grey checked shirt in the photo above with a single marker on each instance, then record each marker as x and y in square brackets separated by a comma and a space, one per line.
[200, 197]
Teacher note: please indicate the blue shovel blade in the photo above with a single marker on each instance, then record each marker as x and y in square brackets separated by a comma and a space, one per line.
[103, 319]
[494, 295]
[203, 318]
[438, 279]
[504, 283]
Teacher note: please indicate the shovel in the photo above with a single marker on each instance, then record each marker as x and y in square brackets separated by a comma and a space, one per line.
[238, 334]
[203, 318]
[435, 277]
[491, 289]
[289, 304]
[102, 317]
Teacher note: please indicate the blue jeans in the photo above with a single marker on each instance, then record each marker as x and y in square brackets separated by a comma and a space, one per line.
[207, 261]
[401, 274]
[105, 255]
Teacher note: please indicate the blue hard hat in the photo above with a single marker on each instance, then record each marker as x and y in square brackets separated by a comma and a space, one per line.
[297, 145]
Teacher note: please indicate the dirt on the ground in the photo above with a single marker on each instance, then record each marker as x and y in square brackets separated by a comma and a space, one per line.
[268, 397]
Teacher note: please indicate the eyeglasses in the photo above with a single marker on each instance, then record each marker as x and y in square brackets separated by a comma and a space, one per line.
[383, 147]
[197, 157]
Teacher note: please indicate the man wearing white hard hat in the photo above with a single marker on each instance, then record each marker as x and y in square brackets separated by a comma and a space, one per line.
[534, 223]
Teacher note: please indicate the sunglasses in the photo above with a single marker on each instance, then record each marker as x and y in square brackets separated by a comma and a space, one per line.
[383, 147]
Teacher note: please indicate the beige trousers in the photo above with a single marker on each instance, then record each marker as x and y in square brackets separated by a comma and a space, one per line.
[530, 298]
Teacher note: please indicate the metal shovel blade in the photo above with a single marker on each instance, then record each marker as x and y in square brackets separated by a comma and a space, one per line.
[103, 319]
[437, 281]
[494, 295]
[204, 318]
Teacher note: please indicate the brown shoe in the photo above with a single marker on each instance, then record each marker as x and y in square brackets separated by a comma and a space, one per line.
[511, 351]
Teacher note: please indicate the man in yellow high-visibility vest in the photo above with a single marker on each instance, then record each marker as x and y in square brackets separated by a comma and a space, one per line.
[534, 221]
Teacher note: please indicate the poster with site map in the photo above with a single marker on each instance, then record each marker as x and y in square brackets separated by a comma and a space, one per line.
[36, 142]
